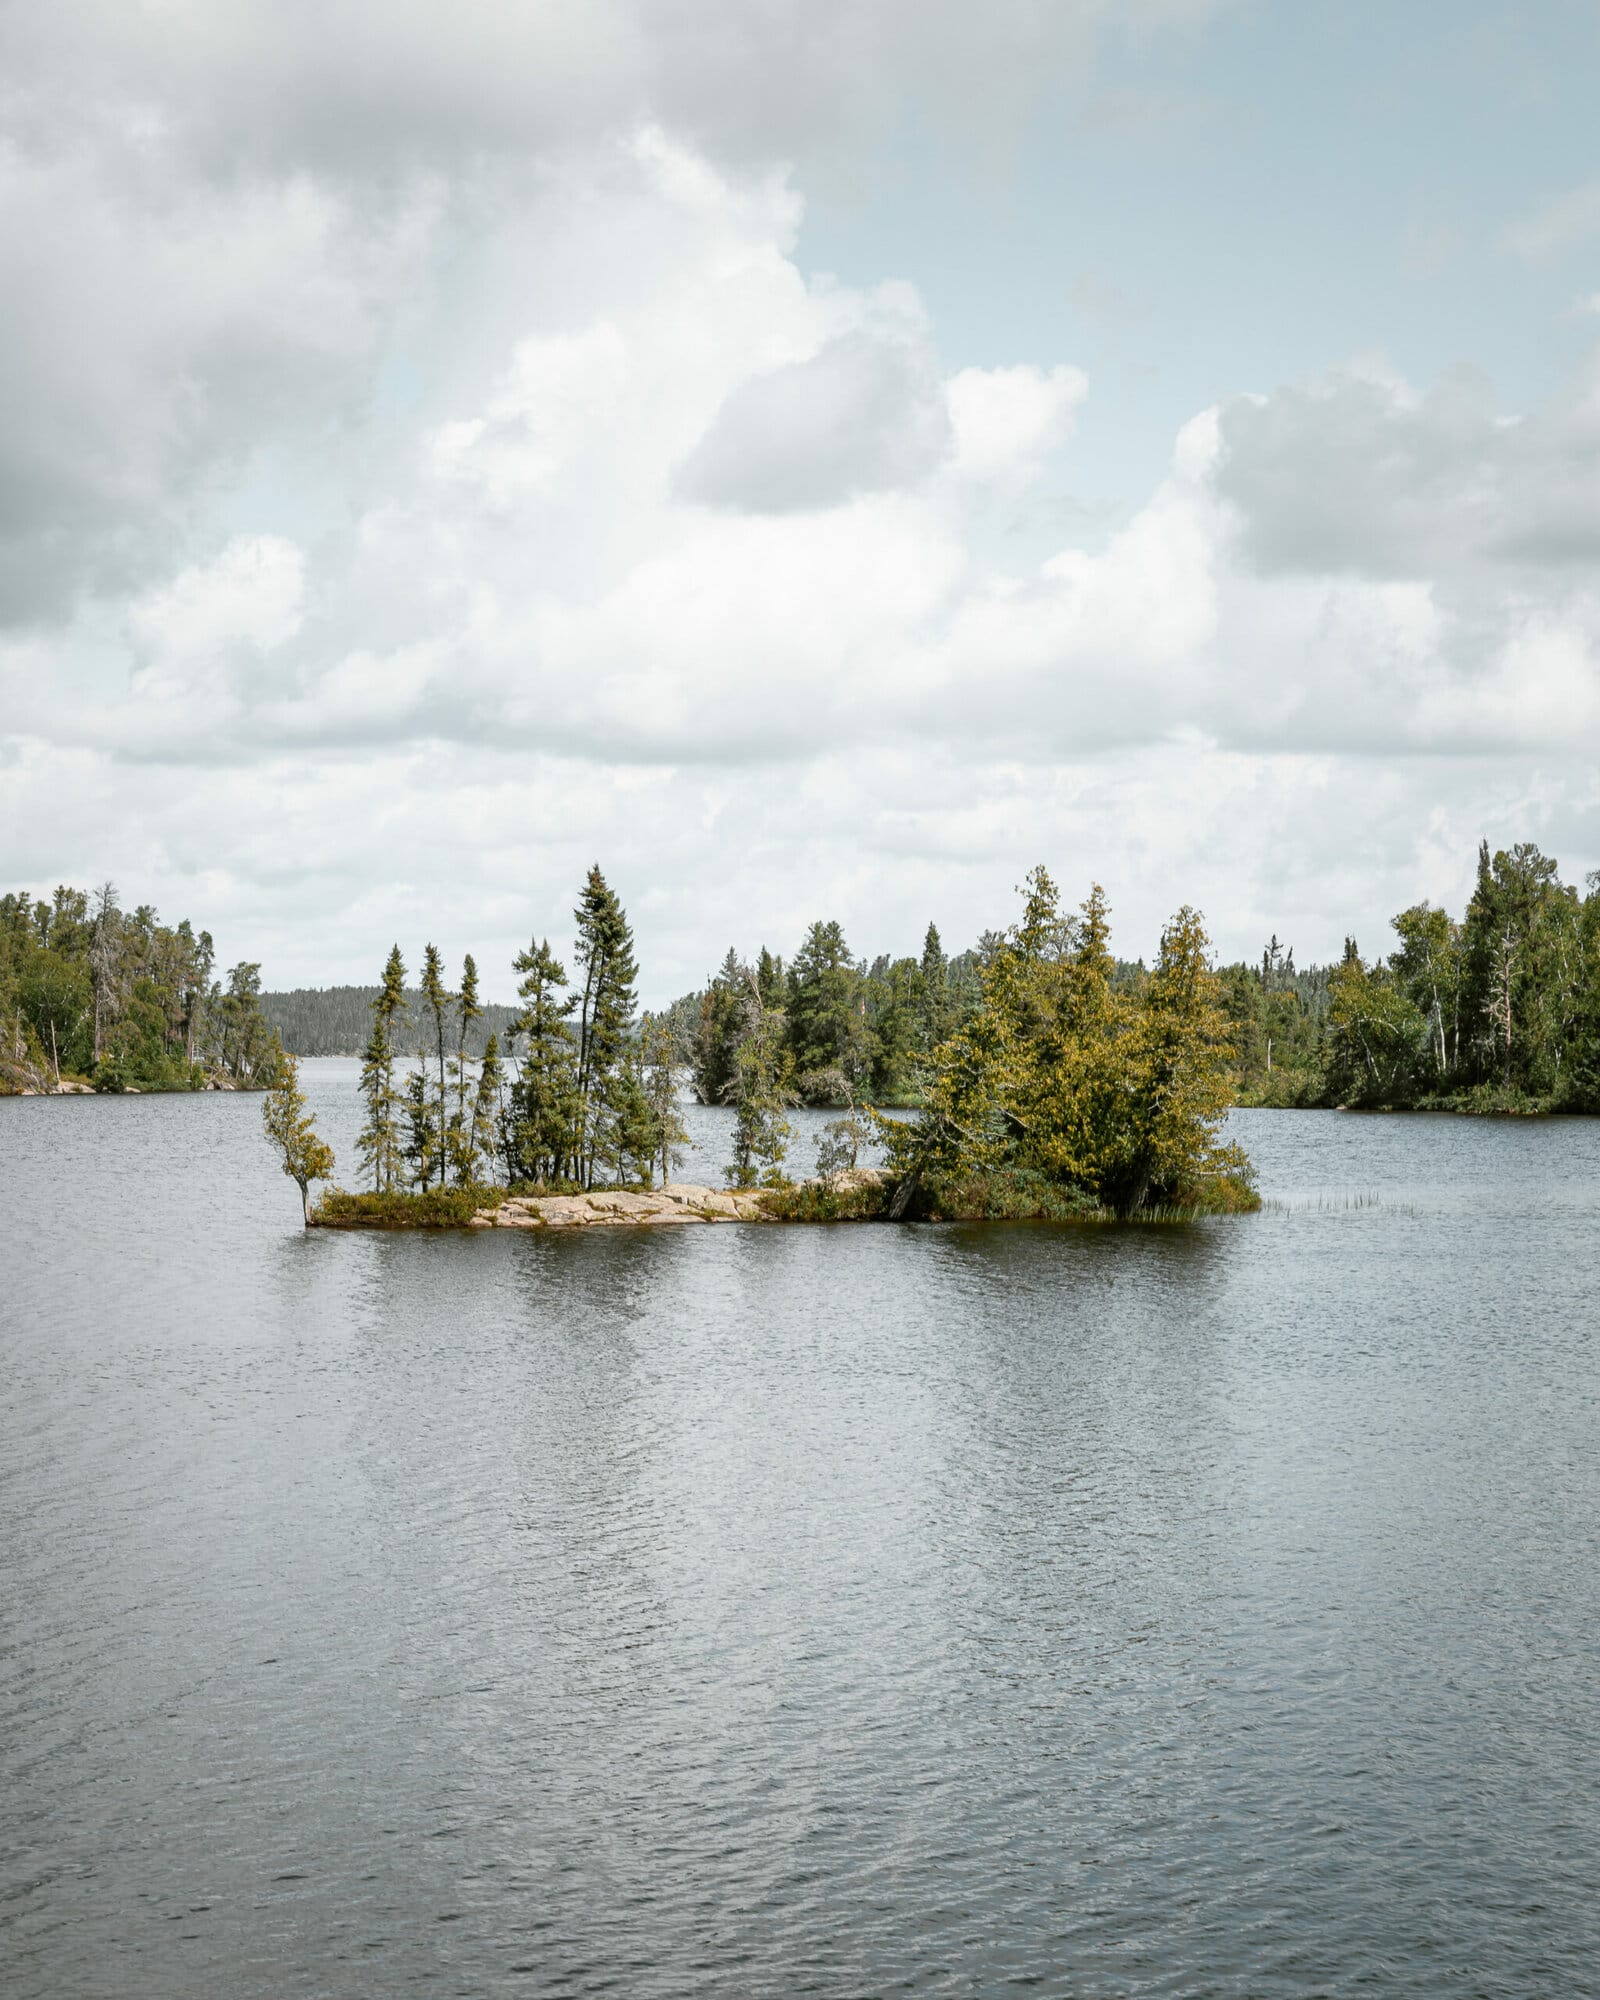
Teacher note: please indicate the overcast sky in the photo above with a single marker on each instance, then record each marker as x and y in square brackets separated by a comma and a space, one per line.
[817, 457]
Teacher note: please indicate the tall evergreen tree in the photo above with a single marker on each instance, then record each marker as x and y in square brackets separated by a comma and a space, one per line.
[826, 1027]
[541, 1114]
[420, 1141]
[772, 982]
[717, 1032]
[469, 1009]
[487, 1109]
[935, 969]
[661, 1092]
[761, 1089]
[103, 959]
[375, 1142]
[436, 999]
[380, 1140]
[606, 1017]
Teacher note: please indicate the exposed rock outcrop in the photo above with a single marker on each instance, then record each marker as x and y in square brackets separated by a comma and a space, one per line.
[677, 1202]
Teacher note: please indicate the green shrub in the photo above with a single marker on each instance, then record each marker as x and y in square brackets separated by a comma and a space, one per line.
[828, 1201]
[432, 1208]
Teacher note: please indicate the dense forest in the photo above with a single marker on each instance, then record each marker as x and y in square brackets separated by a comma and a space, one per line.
[846, 1031]
[336, 1020]
[1498, 1010]
[93, 996]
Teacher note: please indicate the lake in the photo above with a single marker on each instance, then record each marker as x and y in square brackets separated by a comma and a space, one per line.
[868, 1610]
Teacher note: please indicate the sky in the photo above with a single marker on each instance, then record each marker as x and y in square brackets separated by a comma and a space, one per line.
[818, 458]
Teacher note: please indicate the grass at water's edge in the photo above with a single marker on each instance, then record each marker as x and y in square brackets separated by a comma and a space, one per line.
[991, 1198]
[1303, 1091]
[431, 1208]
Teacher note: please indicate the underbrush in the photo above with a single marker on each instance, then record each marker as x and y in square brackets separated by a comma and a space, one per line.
[1013, 1195]
[430, 1208]
[1491, 1100]
[1285, 1090]
[1019, 1196]
[828, 1201]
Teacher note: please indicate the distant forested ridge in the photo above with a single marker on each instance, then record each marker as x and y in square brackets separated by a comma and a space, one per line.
[1497, 1010]
[96, 996]
[337, 1020]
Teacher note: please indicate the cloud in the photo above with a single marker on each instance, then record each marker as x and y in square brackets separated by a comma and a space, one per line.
[1562, 223]
[155, 336]
[250, 596]
[1006, 420]
[862, 415]
[1356, 474]
[430, 463]
[365, 89]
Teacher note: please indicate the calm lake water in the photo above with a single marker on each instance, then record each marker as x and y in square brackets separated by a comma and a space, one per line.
[867, 1610]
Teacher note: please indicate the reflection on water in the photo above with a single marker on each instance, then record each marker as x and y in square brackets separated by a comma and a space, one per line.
[846, 1611]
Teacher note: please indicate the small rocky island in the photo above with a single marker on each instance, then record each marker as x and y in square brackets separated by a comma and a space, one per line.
[858, 1195]
[1058, 1095]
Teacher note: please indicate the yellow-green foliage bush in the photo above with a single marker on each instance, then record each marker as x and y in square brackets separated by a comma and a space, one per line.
[1062, 1094]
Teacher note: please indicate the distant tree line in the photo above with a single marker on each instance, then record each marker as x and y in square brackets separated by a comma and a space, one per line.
[336, 1020]
[94, 994]
[1496, 1010]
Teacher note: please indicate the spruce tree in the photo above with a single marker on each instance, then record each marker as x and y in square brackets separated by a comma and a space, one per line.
[717, 1032]
[420, 1146]
[935, 990]
[486, 1110]
[772, 982]
[463, 1141]
[436, 999]
[661, 1091]
[605, 1021]
[760, 1091]
[379, 1143]
[827, 1029]
[375, 1141]
[538, 1123]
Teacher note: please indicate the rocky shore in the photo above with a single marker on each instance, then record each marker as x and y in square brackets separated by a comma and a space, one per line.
[859, 1195]
[678, 1201]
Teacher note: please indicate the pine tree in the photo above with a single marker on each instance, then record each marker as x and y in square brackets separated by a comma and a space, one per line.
[380, 1137]
[660, 1055]
[420, 1145]
[935, 990]
[605, 1020]
[760, 1090]
[717, 1032]
[486, 1109]
[376, 1141]
[463, 1141]
[103, 959]
[826, 1025]
[772, 982]
[436, 999]
[625, 1132]
[538, 1122]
